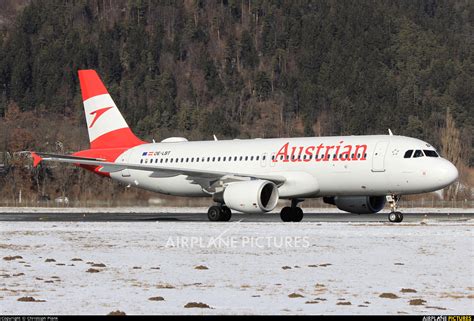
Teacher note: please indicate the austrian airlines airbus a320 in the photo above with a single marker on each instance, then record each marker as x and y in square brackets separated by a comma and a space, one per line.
[358, 174]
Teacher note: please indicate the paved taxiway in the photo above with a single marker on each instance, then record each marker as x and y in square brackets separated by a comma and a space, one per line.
[202, 217]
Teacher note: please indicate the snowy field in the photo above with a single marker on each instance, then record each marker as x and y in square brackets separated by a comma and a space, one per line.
[237, 268]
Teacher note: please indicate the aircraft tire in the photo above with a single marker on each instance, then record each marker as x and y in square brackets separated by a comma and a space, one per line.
[297, 214]
[399, 217]
[285, 214]
[392, 217]
[215, 214]
[227, 214]
[395, 217]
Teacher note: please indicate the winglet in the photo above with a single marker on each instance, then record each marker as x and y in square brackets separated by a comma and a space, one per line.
[36, 159]
[390, 132]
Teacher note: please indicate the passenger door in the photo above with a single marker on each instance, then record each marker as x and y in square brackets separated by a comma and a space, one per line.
[378, 158]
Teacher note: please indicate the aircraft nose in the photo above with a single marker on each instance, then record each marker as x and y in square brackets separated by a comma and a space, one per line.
[449, 173]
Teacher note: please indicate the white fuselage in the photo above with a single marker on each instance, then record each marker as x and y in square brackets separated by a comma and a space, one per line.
[312, 166]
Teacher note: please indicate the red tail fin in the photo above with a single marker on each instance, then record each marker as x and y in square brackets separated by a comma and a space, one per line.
[106, 125]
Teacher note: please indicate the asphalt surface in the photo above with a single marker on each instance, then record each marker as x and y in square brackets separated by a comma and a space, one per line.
[202, 217]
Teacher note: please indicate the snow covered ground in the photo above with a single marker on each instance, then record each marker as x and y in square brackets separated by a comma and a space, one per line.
[237, 268]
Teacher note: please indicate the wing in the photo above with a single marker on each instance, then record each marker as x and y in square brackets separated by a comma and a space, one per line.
[205, 178]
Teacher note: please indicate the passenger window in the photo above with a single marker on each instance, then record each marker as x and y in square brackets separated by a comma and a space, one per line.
[251, 158]
[418, 153]
[223, 159]
[246, 157]
[141, 161]
[408, 153]
[430, 153]
[258, 157]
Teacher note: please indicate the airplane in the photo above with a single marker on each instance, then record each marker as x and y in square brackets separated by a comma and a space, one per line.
[357, 174]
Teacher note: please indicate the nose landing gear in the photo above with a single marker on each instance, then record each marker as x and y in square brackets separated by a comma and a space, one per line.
[394, 216]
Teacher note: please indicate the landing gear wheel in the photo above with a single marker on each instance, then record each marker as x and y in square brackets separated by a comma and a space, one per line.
[395, 217]
[227, 214]
[297, 214]
[399, 217]
[285, 214]
[392, 217]
[215, 213]
[291, 214]
[219, 214]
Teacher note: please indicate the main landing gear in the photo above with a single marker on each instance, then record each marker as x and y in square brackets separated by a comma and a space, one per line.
[219, 213]
[394, 216]
[293, 213]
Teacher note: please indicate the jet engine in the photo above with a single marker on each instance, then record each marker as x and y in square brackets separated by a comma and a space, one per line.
[357, 204]
[255, 196]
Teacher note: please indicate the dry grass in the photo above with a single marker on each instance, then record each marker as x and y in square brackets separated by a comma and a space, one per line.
[12, 258]
[295, 295]
[117, 312]
[388, 295]
[197, 305]
[417, 302]
[29, 299]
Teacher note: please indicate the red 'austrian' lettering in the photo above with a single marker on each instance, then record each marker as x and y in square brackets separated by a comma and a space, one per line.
[321, 153]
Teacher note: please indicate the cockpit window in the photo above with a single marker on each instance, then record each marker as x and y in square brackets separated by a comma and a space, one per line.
[418, 153]
[430, 153]
[408, 153]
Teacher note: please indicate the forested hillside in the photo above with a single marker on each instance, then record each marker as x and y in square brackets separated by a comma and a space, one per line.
[241, 68]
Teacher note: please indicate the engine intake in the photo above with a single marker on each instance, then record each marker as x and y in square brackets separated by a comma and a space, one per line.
[357, 204]
[256, 196]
